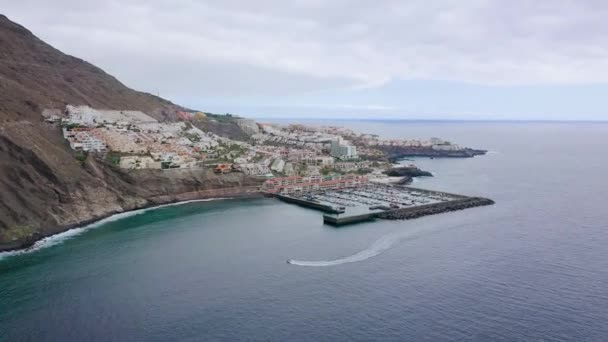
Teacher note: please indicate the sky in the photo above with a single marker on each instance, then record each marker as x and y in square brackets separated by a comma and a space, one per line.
[377, 59]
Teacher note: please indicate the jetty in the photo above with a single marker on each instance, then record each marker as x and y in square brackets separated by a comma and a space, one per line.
[379, 201]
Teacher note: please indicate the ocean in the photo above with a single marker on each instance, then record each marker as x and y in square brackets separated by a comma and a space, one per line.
[532, 267]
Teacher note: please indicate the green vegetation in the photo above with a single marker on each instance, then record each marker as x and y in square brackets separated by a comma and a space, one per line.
[113, 158]
[237, 148]
[363, 171]
[16, 233]
[82, 156]
[71, 126]
[192, 137]
[221, 117]
[187, 126]
[326, 170]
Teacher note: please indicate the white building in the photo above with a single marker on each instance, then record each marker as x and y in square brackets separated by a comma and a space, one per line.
[138, 162]
[82, 115]
[318, 160]
[342, 149]
[278, 165]
[83, 140]
[255, 169]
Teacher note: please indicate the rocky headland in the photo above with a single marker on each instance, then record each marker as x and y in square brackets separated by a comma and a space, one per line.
[396, 153]
[407, 173]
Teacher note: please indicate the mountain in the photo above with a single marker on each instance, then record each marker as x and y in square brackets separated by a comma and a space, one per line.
[44, 189]
[34, 76]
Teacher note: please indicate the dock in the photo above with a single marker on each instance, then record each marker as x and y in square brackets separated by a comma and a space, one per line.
[378, 201]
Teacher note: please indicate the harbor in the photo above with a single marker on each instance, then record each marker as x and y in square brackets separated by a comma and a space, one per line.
[372, 201]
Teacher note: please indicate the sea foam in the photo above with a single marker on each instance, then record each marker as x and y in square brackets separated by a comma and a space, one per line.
[68, 234]
[376, 248]
[381, 245]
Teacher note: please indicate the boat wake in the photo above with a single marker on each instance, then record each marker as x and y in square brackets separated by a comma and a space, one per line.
[376, 248]
[380, 246]
[68, 234]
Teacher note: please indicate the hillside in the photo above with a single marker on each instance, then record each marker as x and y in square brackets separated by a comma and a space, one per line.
[43, 188]
[34, 75]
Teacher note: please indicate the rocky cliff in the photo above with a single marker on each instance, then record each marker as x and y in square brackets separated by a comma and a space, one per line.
[44, 189]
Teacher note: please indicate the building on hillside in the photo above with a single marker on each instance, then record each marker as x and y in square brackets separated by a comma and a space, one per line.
[297, 184]
[446, 147]
[318, 160]
[436, 141]
[289, 170]
[342, 149]
[278, 165]
[82, 115]
[84, 139]
[255, 169]
[222, 168]
[139, 162]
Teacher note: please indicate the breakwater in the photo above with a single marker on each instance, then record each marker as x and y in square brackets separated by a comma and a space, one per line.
[435, 208]
[348, 206]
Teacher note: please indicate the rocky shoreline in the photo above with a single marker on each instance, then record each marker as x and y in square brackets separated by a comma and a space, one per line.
[396, 153]
[225, 193]
[407, 174]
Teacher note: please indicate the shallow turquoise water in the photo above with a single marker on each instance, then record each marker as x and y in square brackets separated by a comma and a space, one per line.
[532, 267]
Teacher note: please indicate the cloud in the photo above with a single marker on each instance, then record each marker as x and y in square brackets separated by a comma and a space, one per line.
[271, 47]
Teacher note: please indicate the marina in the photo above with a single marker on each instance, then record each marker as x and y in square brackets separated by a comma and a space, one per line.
[371, 201]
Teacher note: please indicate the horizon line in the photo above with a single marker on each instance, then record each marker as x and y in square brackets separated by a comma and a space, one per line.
[604, 121]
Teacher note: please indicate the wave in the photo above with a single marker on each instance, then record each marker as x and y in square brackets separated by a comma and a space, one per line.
[68, 234]
[380, 246]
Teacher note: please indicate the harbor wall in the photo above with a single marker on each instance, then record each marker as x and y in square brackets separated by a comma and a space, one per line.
[410, 213]
[433, 192]
[305, 203]
[435, 208]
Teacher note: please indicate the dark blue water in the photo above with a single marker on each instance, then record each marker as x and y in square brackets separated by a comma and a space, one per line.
[533, 267]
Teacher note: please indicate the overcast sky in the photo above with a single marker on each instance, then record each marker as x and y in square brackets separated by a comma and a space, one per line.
[439, 59]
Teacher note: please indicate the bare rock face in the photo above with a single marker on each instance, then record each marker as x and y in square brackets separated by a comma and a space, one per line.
[44, 189]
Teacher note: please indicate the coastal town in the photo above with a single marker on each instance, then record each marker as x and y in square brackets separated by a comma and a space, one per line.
[134, 140]
[350, 176]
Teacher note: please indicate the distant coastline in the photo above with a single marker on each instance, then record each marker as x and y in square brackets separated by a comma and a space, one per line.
[396, 153]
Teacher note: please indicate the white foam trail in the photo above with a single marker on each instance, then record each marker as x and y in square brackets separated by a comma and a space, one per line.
[68, 234]
[381, 245]
[376, 248]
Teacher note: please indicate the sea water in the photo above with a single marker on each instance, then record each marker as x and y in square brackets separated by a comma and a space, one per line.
[532, 267]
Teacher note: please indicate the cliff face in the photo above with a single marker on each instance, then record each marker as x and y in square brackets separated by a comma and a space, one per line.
[43, 188]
